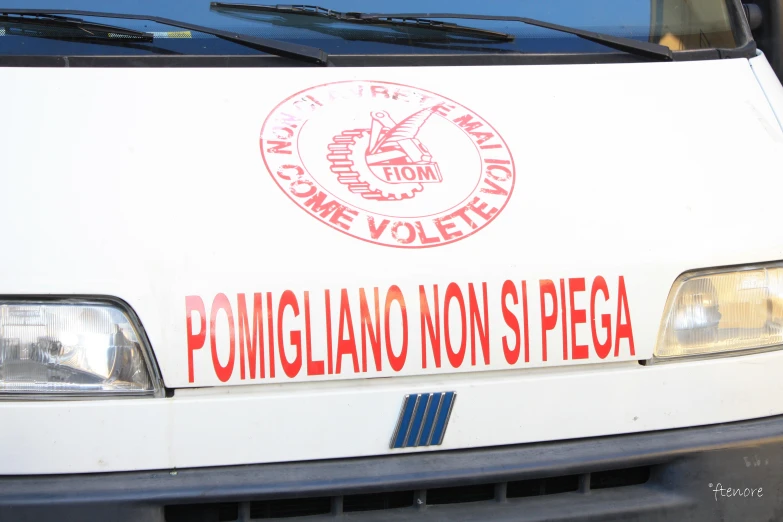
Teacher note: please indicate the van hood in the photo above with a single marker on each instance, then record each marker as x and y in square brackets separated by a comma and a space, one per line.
[276, 225]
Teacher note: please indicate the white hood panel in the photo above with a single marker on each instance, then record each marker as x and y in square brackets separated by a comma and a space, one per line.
[151, 185]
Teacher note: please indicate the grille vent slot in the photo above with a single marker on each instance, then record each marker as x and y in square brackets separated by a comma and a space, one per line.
[297, 508]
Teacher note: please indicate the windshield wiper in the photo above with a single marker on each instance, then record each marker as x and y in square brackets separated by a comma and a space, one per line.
[294, 51]
[628, 45]
[80, 31]
[362, 18]
[77, 26]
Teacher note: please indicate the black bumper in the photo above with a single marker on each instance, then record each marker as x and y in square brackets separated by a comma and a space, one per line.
[720, 472]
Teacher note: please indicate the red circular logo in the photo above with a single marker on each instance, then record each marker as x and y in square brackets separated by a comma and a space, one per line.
[388, 163]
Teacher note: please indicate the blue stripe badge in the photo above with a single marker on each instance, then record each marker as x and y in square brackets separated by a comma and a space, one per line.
[423, 420]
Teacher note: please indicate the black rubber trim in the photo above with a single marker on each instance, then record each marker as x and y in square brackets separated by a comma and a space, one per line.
[742, 34]
[358, 60]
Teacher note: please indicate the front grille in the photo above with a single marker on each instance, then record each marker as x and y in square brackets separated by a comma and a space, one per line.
[547, 486]
[377, 501]
[290, 508]
[460, 494]
[619, 478]
[498, 491]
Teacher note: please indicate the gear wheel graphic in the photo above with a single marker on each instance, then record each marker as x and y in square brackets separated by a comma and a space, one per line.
[348, 163]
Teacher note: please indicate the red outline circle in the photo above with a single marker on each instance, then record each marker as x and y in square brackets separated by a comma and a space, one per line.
[348, 233]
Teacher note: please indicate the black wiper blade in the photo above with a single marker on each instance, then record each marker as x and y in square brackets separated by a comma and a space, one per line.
[646, 49]
[304, 53]
[79, 27]
[362, 18]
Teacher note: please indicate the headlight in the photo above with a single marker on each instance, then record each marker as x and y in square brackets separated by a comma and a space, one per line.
[723, 310]
[72, 347]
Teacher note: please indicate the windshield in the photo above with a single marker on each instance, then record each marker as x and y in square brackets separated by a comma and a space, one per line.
[680, 25]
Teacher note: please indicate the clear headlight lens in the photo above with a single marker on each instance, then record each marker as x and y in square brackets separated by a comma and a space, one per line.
[723, 310]
[65, 348]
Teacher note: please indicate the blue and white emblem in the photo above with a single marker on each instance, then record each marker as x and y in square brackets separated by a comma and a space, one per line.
[423, 420]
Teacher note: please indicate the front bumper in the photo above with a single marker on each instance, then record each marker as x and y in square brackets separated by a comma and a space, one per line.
[685, 474]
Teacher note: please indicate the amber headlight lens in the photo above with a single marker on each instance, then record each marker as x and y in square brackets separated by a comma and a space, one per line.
[723, 311]
[61, 348]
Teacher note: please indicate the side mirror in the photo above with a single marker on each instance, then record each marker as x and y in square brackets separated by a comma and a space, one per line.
[755, 16]
[765, 18]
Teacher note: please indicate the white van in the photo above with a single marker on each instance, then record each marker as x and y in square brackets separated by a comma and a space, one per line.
[383, 261]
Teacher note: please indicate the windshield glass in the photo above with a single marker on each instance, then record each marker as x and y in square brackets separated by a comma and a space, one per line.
[678, 24]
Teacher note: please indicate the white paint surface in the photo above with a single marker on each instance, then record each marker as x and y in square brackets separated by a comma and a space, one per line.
[149, 185]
